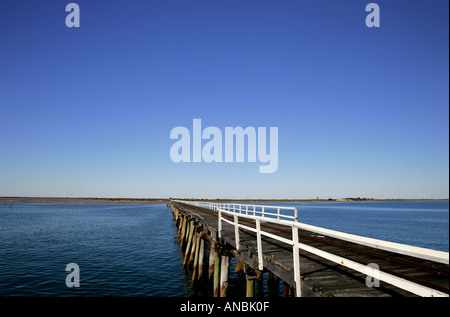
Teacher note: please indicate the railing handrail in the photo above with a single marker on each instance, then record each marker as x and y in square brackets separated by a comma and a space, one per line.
[438, 256]
[263, 208]
[418, 252]
[231, 203]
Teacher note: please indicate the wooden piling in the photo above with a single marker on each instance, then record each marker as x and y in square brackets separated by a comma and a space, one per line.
[188, 247]
[180, 224]
[194, 246]
[250, 291]
[188, 232]
[200, 258]
[288, 290]
[197, 251]
[276, 283]
[212, 258]
[291, 291]
[176, 216]
[225, 261]
[183, 232]
[216, 274]
[250, 277]
[273, 283]
[269, 277]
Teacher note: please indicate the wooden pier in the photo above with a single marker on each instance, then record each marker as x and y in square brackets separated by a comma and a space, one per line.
[311, 261]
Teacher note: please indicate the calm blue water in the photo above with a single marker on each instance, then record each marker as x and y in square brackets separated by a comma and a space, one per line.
[128, 249]
[122, 249]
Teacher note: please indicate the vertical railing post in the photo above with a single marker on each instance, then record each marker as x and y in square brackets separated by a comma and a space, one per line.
[236, 232]
[278, 213]
[259, 244]
[296, 255]
[219, 227]
[295, 214]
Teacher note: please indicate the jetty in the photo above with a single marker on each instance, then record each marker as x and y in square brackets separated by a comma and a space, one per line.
[310, 260]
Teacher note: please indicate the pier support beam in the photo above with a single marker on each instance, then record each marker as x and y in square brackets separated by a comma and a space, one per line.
[188, 247]
[188, 230]
[288, 290]
[200, 258]
[250, 291]
[273, 283]
[250, 276]
[194, 245]
[216, 274]
[196, 257]
[225, 261]
[176, 216]
[212, 258]
[180, 224]
[183, 232]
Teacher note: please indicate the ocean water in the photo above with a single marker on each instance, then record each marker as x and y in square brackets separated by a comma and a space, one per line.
[122, 249]
[130, 249]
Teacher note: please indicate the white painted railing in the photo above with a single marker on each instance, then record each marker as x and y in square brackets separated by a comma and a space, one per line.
[288, 216]
[277, 212]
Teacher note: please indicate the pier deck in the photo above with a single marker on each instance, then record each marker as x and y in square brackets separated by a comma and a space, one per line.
[319, 276]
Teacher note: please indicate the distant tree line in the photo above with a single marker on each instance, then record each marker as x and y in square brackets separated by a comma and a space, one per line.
[358, 198]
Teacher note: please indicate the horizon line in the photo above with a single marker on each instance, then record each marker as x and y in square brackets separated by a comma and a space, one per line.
[230, 199]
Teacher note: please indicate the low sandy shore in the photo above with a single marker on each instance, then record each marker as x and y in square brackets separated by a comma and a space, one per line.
[82, 200]
[165, 200]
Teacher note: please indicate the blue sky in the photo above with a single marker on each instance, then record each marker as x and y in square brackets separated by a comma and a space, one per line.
[87, 112]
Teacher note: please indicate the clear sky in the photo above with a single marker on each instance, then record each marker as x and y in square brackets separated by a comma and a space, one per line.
[87, 112]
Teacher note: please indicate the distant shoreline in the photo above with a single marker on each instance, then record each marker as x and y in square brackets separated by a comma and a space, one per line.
[166, 200]
[83, 200]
